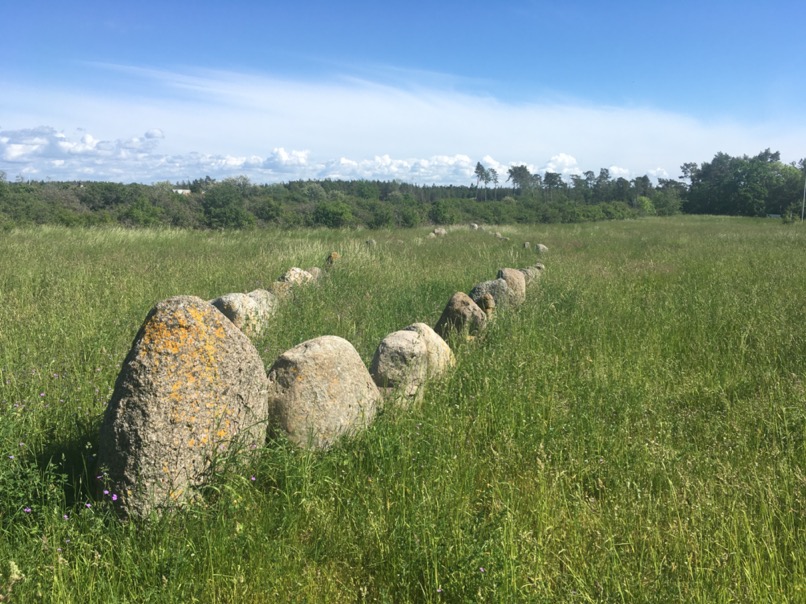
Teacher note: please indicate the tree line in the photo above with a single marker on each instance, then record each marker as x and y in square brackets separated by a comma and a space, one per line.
[747, 186]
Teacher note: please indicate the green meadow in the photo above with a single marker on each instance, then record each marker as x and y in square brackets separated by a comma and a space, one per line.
[634, 433]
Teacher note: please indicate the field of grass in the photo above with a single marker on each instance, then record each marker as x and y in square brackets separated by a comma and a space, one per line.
[634, 433]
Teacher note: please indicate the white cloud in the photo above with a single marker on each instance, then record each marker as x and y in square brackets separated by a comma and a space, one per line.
[186, 125]
[563, 164]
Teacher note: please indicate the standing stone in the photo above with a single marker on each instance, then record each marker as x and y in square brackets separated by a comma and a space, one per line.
[516, 282]
[461, 315]
[497, 288]
[320, 390]
[316, 272]
[192, 386]
[487, 303]
[401, 361]
[440, 355]
[296, 276]
[526, 245]
[248, 312]
[532, 274]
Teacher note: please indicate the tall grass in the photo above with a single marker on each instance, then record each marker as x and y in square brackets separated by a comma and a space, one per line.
[635, 432]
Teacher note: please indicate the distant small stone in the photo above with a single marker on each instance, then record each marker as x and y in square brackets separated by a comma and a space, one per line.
[248, 312]
[319, 391]
[332, 258]
[191, 387]
[531, 274]
[432, 235]
[316, 272]
[541, 249]
[296, 276]
[474, 226]
[461, 315]
[370, 243]
[526, 245]
[440, 232]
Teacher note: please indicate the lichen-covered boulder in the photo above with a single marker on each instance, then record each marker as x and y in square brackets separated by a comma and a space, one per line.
[440, 355]
[191, 387]
[516, 282]
[321, 390]
[248, 312]
[461, 316]
[401, 362]
[497, 288]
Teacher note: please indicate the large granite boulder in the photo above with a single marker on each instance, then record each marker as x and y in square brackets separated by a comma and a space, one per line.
[461, 316]
[401, 363]
[406, 359]
[440, 356]
[516, 283]
[192, 387]
[320, 390]
[248, 312]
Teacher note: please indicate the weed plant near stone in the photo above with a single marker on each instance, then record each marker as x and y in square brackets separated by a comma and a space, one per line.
[634, 432]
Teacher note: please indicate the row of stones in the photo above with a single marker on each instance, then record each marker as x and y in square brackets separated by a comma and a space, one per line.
[194, 386]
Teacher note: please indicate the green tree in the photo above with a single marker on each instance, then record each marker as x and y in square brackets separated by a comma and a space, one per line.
[224, 207]
[333, 214]
[520, 176]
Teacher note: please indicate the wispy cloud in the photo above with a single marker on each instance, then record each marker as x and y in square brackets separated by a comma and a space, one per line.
[150, 125]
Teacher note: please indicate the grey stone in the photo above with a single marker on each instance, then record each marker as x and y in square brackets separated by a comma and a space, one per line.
[516, 282]
[461, 315]
[497, 288]
[316, 272]
[248, 312]
[320, 390]
[526, 245]
[541, 249]
[192, 387]
[532, 274]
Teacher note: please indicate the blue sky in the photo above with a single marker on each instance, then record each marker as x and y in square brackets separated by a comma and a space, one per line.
[417, 91]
